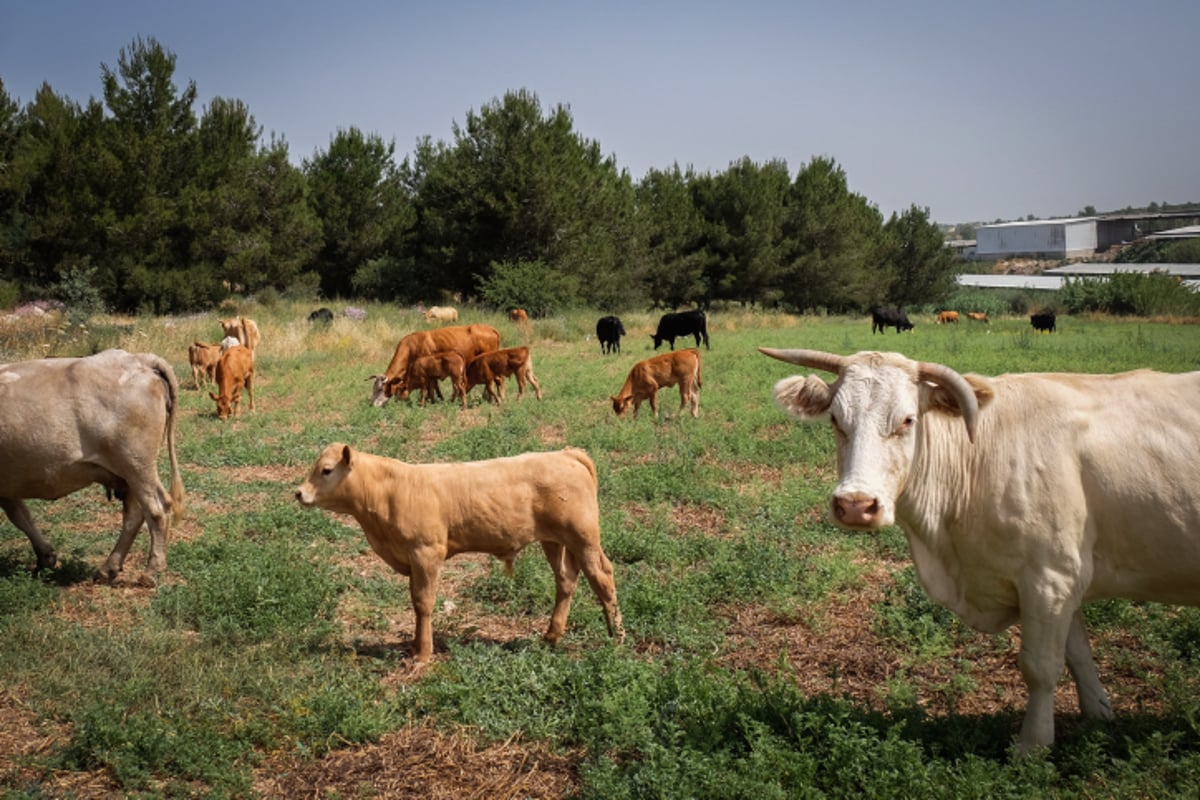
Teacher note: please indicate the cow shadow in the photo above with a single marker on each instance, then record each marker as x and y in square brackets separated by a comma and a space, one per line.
[1082, 746]
[71, 570]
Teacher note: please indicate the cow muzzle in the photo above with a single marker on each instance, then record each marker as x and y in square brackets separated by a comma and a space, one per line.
[858, 511]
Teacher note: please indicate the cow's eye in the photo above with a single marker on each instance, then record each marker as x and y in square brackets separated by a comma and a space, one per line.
[906, 426]
[327, 471]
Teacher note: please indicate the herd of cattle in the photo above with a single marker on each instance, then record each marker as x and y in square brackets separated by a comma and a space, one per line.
[1022, 496]
[884, 317]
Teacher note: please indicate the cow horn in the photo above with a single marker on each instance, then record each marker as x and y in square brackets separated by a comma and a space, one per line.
[957, 385]
[808, 358]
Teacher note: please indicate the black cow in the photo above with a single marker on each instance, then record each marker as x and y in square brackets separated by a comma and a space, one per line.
[883, 316]
[321, 315]
[1043, 321]
[683, 323]
[609, 331]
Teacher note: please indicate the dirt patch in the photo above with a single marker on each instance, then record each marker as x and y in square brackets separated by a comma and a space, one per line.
[421, 762]
[834, 650]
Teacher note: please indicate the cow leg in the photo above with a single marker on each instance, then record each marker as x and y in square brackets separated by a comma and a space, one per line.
[16, 510]
[537, 388]
[154, 508]
[423, 586]
[250, 388]
[599, 572]
[1093, 700]
[566, 576]
[653, 398]
[1044, 637]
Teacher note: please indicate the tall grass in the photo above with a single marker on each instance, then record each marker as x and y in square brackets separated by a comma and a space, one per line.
[276, 630]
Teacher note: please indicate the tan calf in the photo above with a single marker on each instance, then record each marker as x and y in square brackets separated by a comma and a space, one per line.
[244, 329]
[442, 314]
[203, 358]
[492, 370]
[424, 373]
[415, 516]
[234, 370]
[647, 377]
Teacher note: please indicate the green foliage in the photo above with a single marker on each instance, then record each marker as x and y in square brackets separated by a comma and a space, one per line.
[913, 623]
[246, 591]
[531, 285]
[1131, 293]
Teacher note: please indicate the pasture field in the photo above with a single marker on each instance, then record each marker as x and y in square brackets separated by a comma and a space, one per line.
[768, 654]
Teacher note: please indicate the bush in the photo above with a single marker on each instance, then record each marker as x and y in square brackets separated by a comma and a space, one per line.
[1130, 293]
[532, 285]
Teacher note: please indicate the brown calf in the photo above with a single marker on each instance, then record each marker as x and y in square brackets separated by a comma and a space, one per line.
[491, 370]
[203, 358]
[234, 370]
[424, 372]
[519, 316]
[947, 316]
[977, 316]
[647, 377]
[415, 516]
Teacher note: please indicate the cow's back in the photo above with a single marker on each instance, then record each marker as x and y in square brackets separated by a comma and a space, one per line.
[70, 422]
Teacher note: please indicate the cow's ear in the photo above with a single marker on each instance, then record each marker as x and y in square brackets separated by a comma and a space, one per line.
[804, 396]
[347, 454]
[937, 398]
[213, 396]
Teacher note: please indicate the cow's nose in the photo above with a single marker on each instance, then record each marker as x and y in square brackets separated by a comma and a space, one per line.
[856, 510]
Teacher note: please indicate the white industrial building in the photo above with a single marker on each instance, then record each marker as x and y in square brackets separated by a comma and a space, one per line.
[1042, 238]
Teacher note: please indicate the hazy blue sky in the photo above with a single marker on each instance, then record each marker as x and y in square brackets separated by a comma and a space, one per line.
[975, 110]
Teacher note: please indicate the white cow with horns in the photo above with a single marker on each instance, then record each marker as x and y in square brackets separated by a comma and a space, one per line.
[1022, 496]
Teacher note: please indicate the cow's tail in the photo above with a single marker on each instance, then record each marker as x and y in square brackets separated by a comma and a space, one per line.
[699, 366]
[168, 377]
[583, 458]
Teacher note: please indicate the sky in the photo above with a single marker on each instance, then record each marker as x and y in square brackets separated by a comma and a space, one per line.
[975, 111]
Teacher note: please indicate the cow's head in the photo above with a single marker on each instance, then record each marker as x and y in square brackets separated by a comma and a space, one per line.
[321, 489]
[383, 388]
[876, 405]
[621, 403]
[224, 404]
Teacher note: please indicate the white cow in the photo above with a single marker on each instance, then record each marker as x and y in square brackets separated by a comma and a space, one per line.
[1022, 496]
[66, 423]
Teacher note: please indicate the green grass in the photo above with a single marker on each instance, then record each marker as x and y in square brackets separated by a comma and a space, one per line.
[274, 628]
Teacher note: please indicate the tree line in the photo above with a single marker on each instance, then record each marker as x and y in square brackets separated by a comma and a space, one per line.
[137, 203]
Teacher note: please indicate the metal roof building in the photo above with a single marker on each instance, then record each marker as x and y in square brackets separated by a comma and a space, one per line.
[1041, 238]
[1053, 279]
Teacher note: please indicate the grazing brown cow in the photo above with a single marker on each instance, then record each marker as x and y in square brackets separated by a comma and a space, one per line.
[416, 516]
[234, 370]
[244, 329]
[466, 340]
[519, 316]
[425, 372]
[66, 423]
[977, 316]
[647, 377]
[203, 358]
[947, 317]
[442, 314]
[492, 369]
